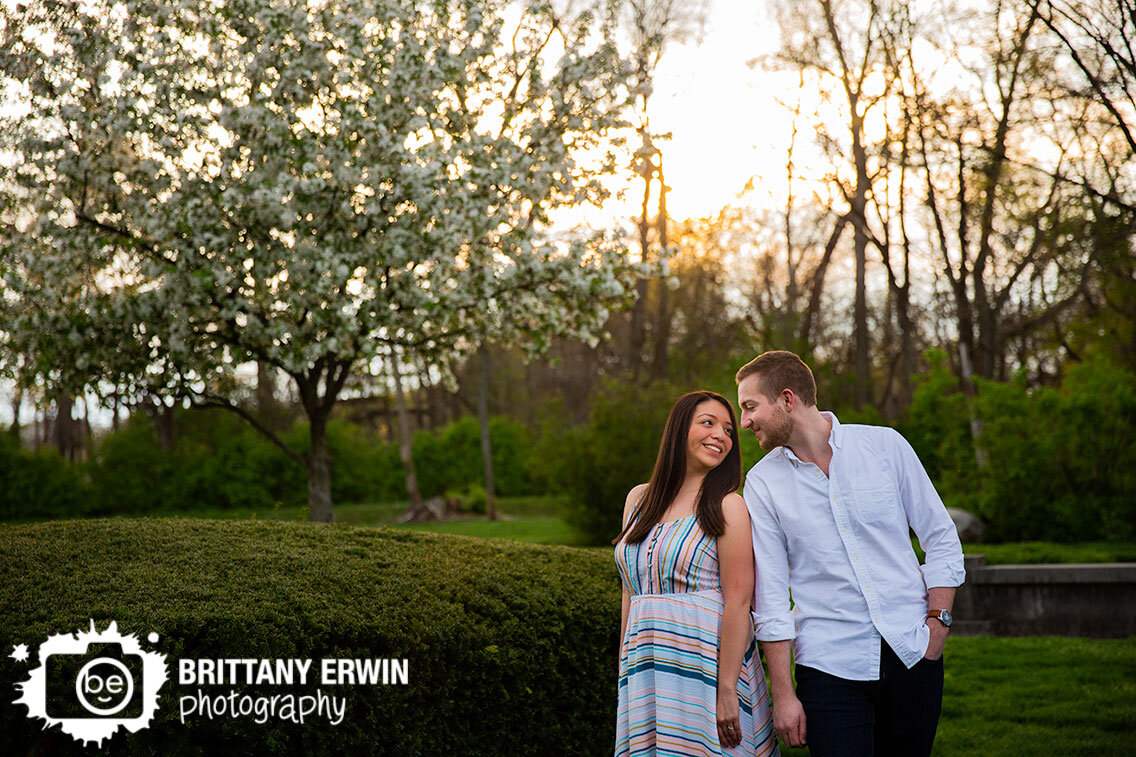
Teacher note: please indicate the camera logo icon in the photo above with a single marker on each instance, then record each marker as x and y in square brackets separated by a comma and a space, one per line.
[92, 683]
[104, 687]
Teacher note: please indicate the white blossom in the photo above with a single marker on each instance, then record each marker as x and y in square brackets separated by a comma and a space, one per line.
[303, 183]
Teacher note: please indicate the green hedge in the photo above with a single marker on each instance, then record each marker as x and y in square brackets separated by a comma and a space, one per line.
[219, 461]
[39, 483]
[597, 463]
[449, 458]
[1060, 462]
[498, 635]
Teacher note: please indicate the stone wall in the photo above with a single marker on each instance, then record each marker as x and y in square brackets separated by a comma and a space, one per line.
[1091, 600]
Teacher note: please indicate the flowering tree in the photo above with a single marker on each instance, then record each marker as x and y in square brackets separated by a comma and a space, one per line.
[191, 185]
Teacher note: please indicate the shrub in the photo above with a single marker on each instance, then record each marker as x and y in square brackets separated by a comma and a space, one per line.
[1061, 464]
[497, 634]
[938, 428]
[219, 461]
[39, 484]
[599, 462]
[449, 458]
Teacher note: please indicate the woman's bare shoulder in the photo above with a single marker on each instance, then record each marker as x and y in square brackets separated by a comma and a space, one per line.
[734, 507]
[633, 498]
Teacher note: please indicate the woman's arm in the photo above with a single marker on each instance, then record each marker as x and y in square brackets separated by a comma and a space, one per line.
[623, 619]
[735, 565]
[629, 504]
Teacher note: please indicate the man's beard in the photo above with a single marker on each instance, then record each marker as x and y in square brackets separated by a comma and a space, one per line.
[778, 432]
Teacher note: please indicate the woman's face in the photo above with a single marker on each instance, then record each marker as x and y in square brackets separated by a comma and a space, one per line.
[710, 437]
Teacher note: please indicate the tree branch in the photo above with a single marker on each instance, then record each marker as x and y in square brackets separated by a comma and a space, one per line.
[214, 401]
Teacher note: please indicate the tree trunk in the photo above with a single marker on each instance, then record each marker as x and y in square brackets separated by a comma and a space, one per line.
[165, 425]
[427, 390]
[906, 343]
[971, 391]
[903, 292]
[319, 471]
[17, 402]
[860, 246]
[663, 315]
[66, 431]
[483, 419]
[638, 337]
[853, 90]
[266, 405]
[88, 433]
[816, 285]
[417, 510]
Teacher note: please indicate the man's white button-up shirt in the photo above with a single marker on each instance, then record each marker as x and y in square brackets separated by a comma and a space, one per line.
[840, 543]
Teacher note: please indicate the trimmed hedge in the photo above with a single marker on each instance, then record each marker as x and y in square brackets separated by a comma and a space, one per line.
[511, 647]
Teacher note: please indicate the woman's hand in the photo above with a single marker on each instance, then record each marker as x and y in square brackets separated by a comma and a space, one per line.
[729, 718]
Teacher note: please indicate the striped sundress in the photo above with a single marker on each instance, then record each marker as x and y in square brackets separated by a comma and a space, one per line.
[668, 662]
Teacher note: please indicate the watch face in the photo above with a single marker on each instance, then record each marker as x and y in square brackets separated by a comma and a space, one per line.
[945, 616]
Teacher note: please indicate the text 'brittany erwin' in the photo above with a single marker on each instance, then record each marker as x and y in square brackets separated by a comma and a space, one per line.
[289, 672]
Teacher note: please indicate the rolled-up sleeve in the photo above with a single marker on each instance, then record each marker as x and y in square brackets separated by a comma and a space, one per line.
[929, 519]
[772, 616]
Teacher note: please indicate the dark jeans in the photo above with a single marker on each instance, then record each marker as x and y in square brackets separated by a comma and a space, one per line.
[896, 715]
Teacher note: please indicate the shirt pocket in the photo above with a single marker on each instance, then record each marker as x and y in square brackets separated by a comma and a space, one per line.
[874, 495]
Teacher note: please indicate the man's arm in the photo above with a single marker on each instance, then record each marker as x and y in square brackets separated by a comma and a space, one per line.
[788, 714]
[943, 566]
[928, 518]
[773, 618]
[772, 614]
[938, 598]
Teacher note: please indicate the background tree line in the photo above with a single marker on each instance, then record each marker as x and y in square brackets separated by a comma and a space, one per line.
[951, 248]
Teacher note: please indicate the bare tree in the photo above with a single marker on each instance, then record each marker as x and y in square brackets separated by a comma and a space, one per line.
[840, 41]
[651, 26]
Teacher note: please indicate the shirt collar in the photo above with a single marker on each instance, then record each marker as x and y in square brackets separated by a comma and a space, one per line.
[835, 437]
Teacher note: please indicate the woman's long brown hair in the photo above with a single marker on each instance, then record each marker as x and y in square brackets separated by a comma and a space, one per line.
[670, 472]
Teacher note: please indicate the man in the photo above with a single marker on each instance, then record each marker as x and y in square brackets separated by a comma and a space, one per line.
[830, 507]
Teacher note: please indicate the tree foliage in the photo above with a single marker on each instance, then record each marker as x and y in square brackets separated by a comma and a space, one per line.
[196, 185]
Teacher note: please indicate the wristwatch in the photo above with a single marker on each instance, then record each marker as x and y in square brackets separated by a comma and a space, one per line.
[943, 616]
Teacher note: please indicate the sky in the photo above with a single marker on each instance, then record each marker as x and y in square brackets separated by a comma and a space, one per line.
[726, 123]
[724, 115]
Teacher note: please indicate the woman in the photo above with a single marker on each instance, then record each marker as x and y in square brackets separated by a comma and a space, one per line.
[690, 679]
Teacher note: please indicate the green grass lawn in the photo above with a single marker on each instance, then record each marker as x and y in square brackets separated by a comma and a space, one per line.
[536, 530]
[1036, 696]
[538, 520]
[366, 513]
[529, 519]
[1028, 552]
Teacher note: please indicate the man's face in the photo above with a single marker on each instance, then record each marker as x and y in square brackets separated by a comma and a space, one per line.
[769, 420]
